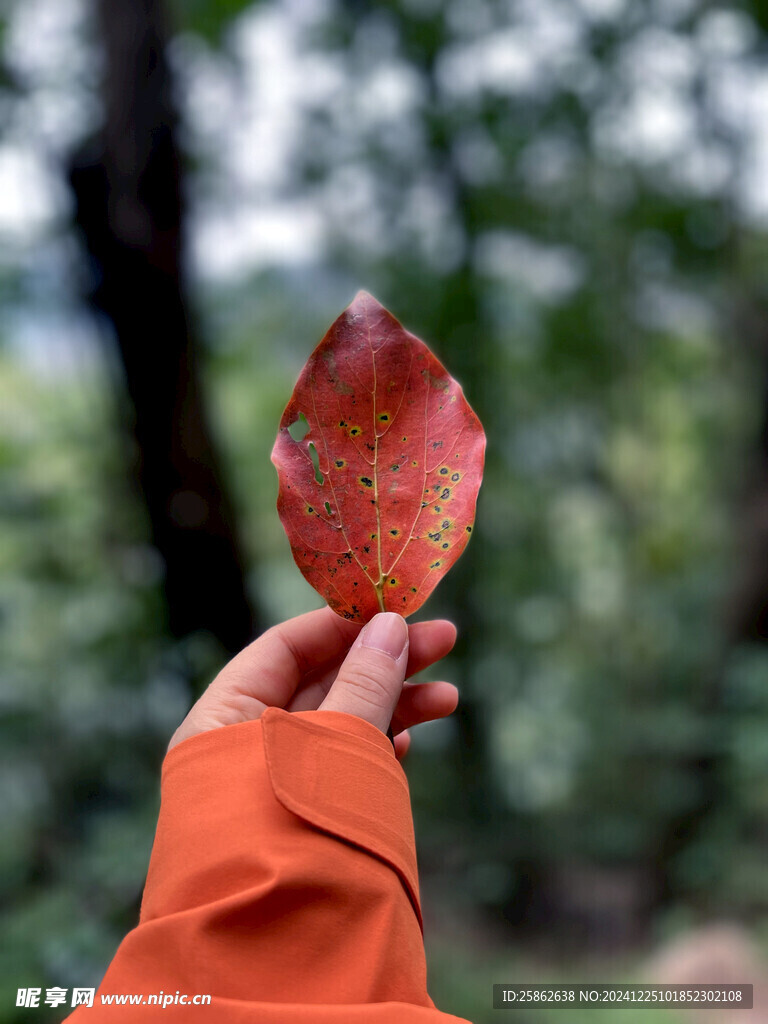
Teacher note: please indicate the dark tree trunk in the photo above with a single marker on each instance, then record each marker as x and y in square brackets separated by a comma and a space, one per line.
[748, 611]
[128, 194]
[744, 614]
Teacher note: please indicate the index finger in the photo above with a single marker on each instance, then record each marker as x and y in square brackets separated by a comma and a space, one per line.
[272, 666]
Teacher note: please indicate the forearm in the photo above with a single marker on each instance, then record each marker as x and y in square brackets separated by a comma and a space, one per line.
[283, 875]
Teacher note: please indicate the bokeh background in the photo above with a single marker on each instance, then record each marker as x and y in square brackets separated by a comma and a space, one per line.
[568, 200]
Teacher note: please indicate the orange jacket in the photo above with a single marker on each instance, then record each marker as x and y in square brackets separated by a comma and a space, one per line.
[282, 882]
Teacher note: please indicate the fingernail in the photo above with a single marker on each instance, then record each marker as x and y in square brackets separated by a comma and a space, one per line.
[386, 632]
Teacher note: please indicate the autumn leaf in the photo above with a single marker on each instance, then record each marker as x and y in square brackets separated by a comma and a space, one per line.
[379, 459]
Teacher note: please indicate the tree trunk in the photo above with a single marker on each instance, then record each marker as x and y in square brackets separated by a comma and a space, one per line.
[127, 187]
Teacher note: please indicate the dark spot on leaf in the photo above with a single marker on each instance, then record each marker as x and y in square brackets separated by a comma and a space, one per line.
[310, 510]
[469, 529]
[393, 582]
[455, 477]
[395, 533]
[446, 494]
[446, 524]
[354, 431]
[444, 471]
[340, 463]
[445, 546]
[366, 481]
[384, 417]
[342, 423]
[413, 590]
[435, 565]
[437, 509]
[394, 468]
[366, 549]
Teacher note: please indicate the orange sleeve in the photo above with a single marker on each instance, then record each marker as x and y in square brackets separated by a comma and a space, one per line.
[282, 883]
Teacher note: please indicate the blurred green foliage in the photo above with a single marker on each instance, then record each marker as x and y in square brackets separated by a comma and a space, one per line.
[482, 169]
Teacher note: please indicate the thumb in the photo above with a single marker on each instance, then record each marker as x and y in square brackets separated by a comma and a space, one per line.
[371, 677]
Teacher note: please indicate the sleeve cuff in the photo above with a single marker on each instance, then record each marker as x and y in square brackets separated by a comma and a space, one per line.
[338, 773]
[332, 770]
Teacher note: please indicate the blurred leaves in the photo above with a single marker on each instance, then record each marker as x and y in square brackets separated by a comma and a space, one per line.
[207, 18]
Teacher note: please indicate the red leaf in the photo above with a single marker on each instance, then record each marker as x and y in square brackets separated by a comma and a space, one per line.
[378, 495]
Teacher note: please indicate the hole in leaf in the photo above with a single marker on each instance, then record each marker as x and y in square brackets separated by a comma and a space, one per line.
[299, 428]
[316, 463]
[328, 508]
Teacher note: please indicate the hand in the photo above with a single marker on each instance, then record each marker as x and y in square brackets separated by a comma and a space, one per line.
[319, 661]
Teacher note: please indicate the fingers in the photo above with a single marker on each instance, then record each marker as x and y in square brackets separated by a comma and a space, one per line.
[294, 665]
[275, 665]
[423, 702]
[420, 702]
[371, 677]
[402, 745]
[272, 667]
[267, 671]
[427, 643]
